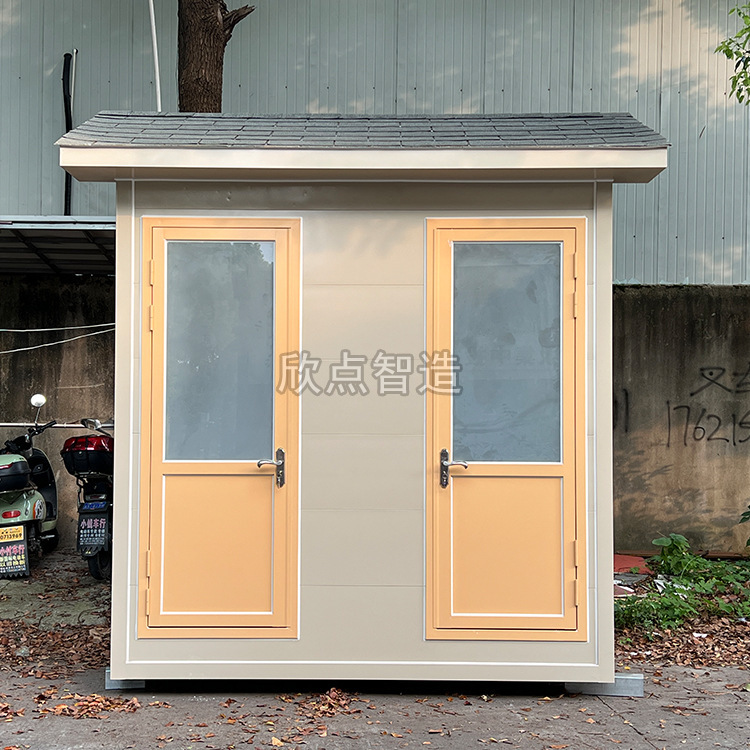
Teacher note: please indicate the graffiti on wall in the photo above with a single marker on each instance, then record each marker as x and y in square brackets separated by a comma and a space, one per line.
[691, 421]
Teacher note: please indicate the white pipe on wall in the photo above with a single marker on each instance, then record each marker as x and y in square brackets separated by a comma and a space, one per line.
[157, 78]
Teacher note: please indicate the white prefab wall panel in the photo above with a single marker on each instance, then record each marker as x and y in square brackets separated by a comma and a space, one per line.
[347, 623]
[652, 58]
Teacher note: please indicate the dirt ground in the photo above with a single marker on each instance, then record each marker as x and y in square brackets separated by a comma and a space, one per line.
[53, 648]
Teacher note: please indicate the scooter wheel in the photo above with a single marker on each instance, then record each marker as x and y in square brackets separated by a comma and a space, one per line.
[100, 565]
[49, 544]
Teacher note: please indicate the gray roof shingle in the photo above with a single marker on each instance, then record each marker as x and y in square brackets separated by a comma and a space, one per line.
[340, 132]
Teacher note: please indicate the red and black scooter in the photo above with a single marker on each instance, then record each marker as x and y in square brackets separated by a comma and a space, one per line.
[90, 459]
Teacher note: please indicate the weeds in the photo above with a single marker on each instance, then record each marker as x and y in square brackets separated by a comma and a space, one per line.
[744, 518]
[686, 587]
[675, 558]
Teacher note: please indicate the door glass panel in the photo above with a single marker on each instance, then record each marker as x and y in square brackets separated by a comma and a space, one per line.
[506, 337]
[219, 350]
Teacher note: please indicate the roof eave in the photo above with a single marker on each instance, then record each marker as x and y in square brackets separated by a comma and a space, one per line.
[106, 164]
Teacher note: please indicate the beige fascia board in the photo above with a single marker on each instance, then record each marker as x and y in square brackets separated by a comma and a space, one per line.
[617, 165]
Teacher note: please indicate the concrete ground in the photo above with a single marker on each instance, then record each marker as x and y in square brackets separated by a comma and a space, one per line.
[682, 707]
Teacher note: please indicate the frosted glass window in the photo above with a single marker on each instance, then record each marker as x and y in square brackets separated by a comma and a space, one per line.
[219, 350]
[506, 336]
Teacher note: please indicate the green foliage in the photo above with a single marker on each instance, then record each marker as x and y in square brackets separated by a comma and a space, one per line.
[737, 48]
[744, 518]
[674, 558]
[670, 609]
[687, 587]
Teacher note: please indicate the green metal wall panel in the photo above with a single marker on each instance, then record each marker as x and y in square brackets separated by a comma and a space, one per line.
[529, 56]
[266, 67]
[114, 70]
[440, 52]
[653, 58]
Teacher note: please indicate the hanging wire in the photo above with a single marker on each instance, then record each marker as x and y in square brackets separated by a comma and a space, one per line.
[64, 328]
[55, 343]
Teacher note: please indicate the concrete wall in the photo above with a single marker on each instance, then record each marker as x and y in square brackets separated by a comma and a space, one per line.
[686, 345]
[76, 377]
[681, 415]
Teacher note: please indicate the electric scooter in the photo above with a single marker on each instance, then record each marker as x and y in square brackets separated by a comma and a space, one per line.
[89, 458]
[28, 500]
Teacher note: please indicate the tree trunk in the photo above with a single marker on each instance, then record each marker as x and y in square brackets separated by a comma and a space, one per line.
[203, 29]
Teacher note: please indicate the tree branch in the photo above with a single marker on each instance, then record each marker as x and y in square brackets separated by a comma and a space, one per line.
[231, 18]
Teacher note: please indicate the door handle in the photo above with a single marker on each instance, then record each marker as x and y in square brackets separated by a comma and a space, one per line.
[445, 464]
[279, 464]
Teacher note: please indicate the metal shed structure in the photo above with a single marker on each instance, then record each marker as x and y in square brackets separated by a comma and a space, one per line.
[363, 392]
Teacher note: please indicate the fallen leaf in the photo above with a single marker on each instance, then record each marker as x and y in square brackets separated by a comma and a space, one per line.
[7, 713]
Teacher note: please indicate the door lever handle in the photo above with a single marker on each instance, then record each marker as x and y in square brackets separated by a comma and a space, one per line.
[445, 464]
[279, 464]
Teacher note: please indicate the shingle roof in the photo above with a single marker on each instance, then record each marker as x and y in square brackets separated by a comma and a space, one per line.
[340, 132]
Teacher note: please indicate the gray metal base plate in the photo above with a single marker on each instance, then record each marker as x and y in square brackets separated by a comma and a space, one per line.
[624, 686]
[110, 684]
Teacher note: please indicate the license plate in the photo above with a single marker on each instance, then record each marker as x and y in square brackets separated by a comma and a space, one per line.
[93, 531]
[14, 552]
[11, 534]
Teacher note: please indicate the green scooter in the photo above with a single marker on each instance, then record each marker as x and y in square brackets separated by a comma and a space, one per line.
[28, 500]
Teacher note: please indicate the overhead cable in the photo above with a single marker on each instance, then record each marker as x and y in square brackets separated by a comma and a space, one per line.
[64, 328]
[55, 343]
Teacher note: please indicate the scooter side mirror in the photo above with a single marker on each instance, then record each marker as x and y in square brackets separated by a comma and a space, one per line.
[38, 400]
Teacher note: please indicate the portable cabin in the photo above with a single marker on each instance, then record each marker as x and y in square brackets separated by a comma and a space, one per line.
[363, 392]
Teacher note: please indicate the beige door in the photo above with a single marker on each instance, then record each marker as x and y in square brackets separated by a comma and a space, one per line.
[506, 429]
[219, 517]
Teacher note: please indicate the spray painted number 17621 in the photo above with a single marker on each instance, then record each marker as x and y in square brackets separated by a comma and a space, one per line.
[687, 424]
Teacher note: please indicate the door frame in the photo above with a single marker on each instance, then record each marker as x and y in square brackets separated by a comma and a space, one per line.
[160, 229]
[539, 229]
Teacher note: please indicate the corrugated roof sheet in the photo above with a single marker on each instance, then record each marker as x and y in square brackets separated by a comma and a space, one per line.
[57, 244]
[199, 130]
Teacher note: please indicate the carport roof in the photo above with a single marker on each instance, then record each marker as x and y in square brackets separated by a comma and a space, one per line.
[57, 245]
[126, 145]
